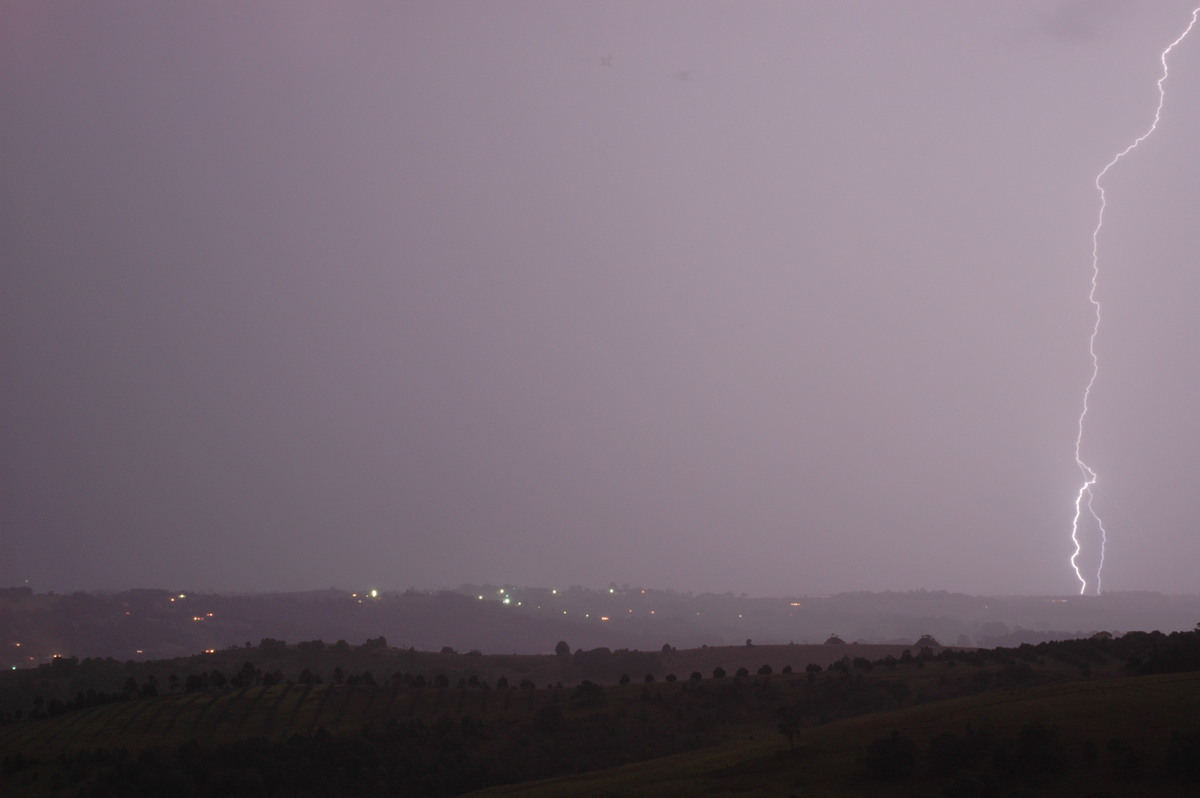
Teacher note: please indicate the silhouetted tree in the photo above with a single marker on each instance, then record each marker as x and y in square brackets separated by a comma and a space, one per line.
[588, 693]
[789, 722]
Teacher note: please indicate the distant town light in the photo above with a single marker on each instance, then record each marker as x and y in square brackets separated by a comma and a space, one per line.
[374, 593]
[604, 617]
[610, 590]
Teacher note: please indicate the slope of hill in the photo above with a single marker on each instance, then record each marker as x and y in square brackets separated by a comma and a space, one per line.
[976, 719]
[1133, 737]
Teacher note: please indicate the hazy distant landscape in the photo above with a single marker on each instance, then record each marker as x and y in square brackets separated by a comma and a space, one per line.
[147, 624]
[629, 691]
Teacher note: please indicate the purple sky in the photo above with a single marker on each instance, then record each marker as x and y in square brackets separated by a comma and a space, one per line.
[775, 298]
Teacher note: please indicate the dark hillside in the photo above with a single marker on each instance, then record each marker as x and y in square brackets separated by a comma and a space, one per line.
[412, 734]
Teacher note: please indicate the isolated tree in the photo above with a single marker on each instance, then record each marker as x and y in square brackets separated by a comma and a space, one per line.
[562, 650]
[718, 672]
[588, 693]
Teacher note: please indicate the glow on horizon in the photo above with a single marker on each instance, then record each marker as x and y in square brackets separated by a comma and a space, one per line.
[1085, 495]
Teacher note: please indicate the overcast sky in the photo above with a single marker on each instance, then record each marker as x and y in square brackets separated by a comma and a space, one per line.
[775, 298]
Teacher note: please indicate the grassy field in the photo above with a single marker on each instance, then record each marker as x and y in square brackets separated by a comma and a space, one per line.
[706, 736]
[827, 760]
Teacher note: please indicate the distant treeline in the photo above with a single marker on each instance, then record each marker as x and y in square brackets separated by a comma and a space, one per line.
[68, 683]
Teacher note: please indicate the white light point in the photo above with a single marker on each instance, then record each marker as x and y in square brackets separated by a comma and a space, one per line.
[1085, 496]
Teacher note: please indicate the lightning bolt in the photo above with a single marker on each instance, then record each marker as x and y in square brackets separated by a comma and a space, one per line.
[1084, 498]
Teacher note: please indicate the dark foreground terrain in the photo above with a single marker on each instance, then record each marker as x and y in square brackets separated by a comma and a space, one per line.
[1103, 716]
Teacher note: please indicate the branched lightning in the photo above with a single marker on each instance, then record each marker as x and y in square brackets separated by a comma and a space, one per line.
[1085, 496]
